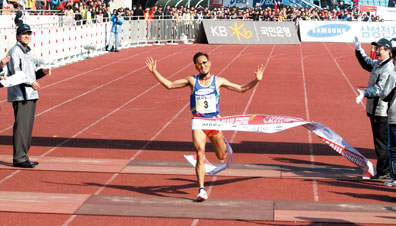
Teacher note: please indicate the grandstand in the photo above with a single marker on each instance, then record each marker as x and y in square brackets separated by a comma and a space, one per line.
[313, 3]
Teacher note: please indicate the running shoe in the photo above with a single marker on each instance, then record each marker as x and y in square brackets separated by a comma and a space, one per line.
[381, 177]
[390, 183]
[202, 196]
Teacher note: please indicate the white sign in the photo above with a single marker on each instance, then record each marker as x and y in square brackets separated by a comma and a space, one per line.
[345, 31]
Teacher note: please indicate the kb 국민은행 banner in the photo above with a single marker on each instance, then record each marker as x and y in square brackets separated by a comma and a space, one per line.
[249, 32]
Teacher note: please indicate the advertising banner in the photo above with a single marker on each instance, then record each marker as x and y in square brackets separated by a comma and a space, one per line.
[250, 32]
[387, 13]
[216, 3]
[250, 3]
[264, 3]
[345, 31]
[368, 8]
[238, 3]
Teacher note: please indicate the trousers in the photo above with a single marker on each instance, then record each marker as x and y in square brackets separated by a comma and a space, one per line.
[116, 37]
[379, 126]
[24, 112]
[392, 150]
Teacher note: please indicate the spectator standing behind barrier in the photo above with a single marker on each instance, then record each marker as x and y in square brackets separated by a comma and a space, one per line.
[106, 14]
[40, 5]
[388, 94]
[89, 15]
[48, 5]
[69, 14]
[376, 108]
[1, 6]
[23, 96]
[28, 4]
[117, 21]
[138, 12]
[77, 17]
[19, 15]
[84, 12]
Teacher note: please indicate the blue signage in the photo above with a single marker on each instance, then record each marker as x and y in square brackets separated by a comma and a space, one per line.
[264, 3]
[329, 30]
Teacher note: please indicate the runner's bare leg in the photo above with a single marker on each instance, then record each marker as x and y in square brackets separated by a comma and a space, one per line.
[199, 140]
[220, 146]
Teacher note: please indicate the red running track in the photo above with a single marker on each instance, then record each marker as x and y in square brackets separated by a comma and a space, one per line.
[111, 107]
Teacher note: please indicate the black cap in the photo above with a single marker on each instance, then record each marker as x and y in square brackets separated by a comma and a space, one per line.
[24, 28]
[383, 42]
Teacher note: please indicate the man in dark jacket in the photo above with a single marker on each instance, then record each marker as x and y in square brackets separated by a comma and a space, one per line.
[138, 13]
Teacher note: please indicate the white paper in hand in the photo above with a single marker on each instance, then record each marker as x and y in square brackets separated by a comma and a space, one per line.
[357, 43]
[360, 97]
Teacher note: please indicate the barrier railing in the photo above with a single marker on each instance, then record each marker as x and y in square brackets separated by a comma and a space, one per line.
[61, 45]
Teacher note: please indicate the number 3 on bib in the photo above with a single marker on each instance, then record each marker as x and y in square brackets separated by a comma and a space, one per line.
[206, 104]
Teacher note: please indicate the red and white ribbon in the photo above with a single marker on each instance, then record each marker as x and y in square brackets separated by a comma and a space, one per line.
[274, 124]
[209, 167]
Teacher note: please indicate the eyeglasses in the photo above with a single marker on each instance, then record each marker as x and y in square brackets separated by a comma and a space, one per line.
[379, 48]
[201, 63]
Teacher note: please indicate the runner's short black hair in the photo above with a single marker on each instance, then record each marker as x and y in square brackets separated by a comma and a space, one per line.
[198, 55]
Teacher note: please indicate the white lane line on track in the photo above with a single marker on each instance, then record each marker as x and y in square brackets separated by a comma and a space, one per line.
[9, 176]
[254, 90]
[310, 146]
[344, 75]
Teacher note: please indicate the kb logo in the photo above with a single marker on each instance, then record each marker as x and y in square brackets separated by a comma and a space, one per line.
[238, 31]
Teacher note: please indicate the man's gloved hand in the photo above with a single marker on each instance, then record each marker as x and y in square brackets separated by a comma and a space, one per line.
[360, 97]
[357, 43]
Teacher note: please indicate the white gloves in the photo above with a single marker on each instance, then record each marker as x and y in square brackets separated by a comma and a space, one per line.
[357, 43]
[360, 97]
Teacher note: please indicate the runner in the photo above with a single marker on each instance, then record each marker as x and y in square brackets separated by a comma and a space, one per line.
[204, 102]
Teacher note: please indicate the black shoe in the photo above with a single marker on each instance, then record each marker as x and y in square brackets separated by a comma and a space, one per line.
[381, 177]
[25, 164]
[34, 163]
[116, 50]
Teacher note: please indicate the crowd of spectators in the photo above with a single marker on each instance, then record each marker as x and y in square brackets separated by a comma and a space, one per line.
[280, 12]
[97, 11]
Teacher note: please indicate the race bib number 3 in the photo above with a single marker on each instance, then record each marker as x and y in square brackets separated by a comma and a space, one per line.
[206, 104]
